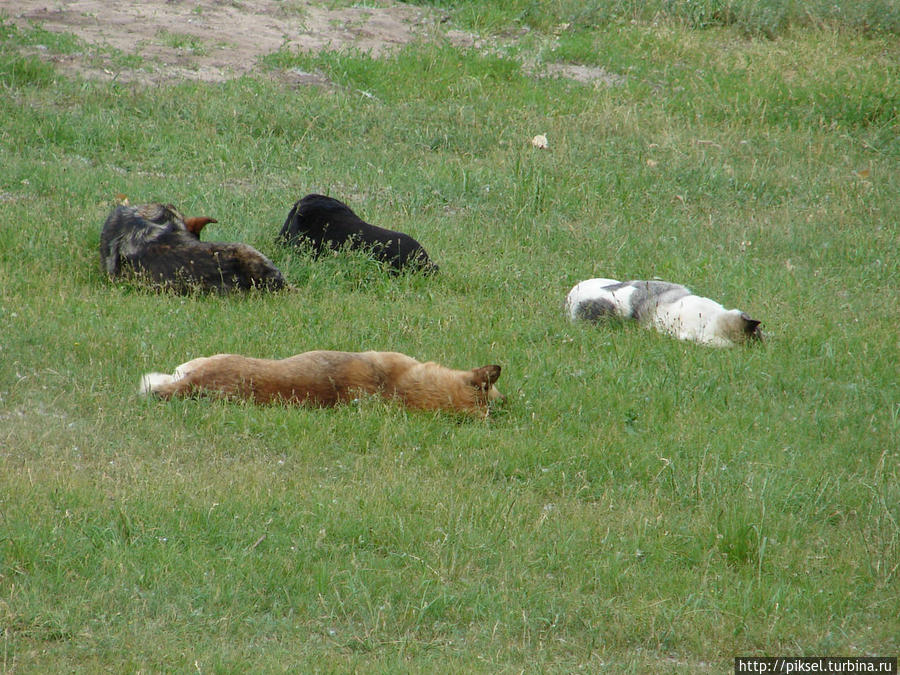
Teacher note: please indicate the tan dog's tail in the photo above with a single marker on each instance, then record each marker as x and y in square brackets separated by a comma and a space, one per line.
[158, 384]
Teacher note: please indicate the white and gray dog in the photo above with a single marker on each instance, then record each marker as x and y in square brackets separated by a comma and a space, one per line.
[670, 308]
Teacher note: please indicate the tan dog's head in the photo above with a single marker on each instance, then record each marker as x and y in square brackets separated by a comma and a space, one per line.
[483, 380]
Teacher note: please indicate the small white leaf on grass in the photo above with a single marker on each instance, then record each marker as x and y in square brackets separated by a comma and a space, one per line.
[540, 142]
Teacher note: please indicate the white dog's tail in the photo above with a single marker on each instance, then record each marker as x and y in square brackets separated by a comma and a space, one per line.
[152, 382]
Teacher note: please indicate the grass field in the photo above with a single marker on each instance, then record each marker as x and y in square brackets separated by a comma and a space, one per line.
[637, 505]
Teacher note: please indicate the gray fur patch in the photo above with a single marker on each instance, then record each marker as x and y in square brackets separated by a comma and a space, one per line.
[648, 295]
[595, 309]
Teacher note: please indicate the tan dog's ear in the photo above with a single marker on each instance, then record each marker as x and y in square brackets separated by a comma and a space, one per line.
[197, 223]
[484, 378]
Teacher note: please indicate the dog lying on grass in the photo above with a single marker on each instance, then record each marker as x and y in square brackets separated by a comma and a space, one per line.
[328, 378]
[326, 223]
[154, 242]
[669, 308]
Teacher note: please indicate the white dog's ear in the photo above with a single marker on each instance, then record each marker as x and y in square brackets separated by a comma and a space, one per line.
[751, 326]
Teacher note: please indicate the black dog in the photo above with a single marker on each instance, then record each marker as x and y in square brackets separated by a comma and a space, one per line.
[156, 243]
[322, 222]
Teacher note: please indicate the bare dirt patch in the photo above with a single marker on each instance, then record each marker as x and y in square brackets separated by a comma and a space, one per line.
[216, 40]
[594, 74]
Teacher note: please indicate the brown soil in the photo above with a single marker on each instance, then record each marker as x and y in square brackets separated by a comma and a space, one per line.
[215, 40]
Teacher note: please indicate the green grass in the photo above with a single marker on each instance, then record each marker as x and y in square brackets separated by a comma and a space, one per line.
[758, 18]
[182, 41]
[637, 505]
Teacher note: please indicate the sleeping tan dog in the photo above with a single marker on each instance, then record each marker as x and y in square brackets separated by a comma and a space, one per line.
[327, 378]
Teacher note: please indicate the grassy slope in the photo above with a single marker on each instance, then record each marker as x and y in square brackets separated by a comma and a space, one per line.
[639, 503]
